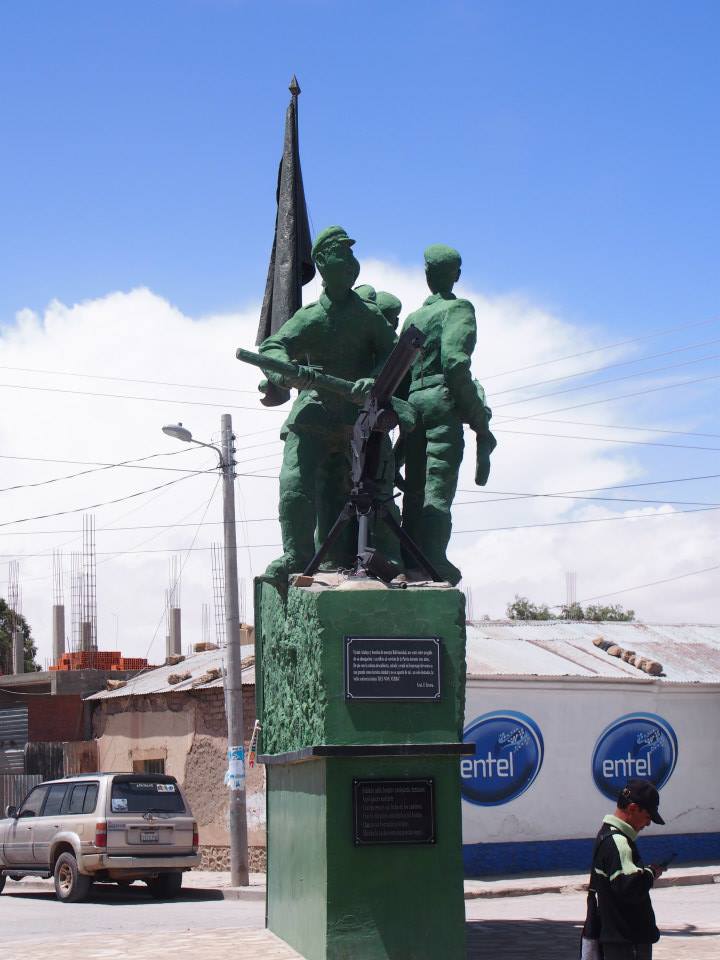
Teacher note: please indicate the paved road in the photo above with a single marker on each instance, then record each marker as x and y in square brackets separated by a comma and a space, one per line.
[117, 925]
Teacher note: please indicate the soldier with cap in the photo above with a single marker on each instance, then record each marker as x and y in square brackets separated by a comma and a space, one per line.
[445, 396]
[346, 336]
[621, 879]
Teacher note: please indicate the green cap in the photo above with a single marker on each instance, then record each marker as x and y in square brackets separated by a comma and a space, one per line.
[365, 292]
[328, 238]
[388, 301]
[438, 254]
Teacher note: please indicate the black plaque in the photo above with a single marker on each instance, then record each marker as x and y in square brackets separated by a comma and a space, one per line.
[400, 668]
[393, 811]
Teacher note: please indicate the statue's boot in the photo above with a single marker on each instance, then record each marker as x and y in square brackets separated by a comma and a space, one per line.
[436, 529]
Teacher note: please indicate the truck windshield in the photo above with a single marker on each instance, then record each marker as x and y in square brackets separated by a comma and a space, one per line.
[145, 796]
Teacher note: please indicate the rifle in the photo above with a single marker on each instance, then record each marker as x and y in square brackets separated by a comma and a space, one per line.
[295, 373]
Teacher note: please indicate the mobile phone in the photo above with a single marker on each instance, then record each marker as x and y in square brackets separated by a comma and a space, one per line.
[667, 861]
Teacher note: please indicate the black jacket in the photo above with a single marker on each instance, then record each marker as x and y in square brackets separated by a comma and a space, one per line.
[623, 885]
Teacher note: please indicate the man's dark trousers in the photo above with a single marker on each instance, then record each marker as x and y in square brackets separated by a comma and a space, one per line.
[627, 951]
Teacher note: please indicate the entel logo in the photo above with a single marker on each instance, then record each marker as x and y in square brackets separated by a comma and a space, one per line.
[635, 745]
[508, 755]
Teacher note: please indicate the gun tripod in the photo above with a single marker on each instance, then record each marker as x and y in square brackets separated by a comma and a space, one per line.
[366, 506]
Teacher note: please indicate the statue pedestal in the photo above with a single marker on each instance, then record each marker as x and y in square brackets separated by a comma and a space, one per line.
[361, 700]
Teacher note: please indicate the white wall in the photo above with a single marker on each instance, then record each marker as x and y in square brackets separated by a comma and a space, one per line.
[563, 801]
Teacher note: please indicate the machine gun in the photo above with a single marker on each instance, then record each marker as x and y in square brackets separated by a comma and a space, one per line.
[381, 412]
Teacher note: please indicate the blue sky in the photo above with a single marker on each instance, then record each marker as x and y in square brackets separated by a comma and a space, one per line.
[569, 150]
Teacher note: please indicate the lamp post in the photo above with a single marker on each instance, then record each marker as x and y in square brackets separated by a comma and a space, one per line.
[235, 776]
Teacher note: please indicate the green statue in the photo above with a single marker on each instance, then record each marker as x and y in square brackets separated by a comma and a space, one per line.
[445, 396]
[345, 336]
[387, 303]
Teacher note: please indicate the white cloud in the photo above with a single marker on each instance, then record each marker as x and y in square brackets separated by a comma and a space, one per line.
[140, 336]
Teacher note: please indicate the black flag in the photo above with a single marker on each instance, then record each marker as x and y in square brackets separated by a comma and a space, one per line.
[291, 265]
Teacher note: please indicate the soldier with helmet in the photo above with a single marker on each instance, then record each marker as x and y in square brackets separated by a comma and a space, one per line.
[445, 397]
[346, 336]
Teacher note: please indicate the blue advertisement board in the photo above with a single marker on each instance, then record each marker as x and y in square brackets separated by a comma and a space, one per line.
[635, 745]
[508, 756]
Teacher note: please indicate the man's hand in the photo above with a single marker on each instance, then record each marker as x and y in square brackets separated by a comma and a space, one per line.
[361, 388]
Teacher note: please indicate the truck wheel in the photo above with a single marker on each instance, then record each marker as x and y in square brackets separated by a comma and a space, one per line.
[2, 881]
[165, 886]
[70, 884]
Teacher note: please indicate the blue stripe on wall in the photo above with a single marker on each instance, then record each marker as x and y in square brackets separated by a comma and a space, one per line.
[486, 859]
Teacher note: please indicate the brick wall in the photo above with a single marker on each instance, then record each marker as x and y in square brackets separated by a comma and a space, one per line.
[55, 718]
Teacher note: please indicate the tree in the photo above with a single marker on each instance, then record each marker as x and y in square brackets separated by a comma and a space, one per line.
[522, 609]
[613, 612]
[7, 620]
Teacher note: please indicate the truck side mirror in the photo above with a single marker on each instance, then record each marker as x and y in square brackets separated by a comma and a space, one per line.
[11, 811]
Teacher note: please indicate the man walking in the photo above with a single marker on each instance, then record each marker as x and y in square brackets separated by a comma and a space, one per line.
[622, 881]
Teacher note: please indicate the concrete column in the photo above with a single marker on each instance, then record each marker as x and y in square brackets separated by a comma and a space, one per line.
[85, 637]
[175, 645]
[18, 648]
[58, 632]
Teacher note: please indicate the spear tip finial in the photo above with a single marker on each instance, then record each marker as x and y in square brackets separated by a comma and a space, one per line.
[294, 86]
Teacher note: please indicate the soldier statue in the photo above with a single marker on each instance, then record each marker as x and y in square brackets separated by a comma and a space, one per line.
[444, 396]
[346, 336]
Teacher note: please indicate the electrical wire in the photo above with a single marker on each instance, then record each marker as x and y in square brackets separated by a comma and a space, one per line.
[624, 426]
[155, 383]
[105, 503]
[641, 586]
[632, 443]
[108, 466]
[621, 396]
[606, 366]
[608, 346]
[568, 523]
[127, 396]
[600, 383]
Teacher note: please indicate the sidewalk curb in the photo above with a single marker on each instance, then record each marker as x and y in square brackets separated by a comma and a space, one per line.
[243, 893]
[495, 889]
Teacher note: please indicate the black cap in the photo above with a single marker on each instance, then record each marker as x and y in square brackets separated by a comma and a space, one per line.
[645, 795]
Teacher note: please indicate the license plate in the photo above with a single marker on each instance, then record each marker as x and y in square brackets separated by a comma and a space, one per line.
[149, 838]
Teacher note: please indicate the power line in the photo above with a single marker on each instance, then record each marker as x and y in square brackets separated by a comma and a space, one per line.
[568, 523]
[127, 396]
[623, 486]
[632, 443]
[104, 503]
[652, 583]
[608, 346]
[155, 383]
[606, 366]
[600, 383]
[621, 396]
[108, 466]
[624, 426]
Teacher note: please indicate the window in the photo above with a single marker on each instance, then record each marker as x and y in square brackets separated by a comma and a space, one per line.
[55, 797]
[33, 802]
[148, 766]
[134, 795]
[81, 798]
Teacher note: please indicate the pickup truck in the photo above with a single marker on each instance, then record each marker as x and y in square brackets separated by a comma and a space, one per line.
[104, 827]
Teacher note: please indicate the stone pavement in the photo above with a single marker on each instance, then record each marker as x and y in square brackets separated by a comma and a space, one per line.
[180, 945]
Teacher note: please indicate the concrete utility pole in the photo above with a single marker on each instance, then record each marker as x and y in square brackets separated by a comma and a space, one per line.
[235, 776]
[239, 876]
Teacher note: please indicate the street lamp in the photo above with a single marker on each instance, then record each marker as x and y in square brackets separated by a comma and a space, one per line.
[235, 777]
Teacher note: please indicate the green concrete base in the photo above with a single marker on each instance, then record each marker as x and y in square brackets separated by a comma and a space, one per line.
[327, 897]
[331, 900]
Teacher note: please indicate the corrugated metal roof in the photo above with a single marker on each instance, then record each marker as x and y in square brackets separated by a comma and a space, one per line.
[156, 681]
[552, 648]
